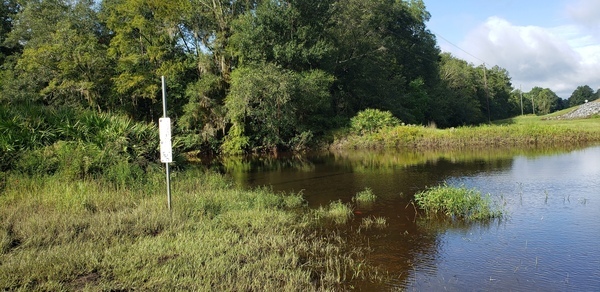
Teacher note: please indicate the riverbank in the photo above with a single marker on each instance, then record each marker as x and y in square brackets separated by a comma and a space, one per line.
[59, 234]
[524, 131]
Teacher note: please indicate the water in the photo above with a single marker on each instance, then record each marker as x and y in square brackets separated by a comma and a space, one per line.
[549, 240]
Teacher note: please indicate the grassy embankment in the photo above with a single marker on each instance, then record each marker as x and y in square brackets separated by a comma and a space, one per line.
[84, 208]
[525, 131]
[58, 234]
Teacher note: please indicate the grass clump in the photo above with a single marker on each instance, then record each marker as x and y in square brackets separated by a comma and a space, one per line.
[365, 197]
[457, 203]
[373, 222]
[337, 212]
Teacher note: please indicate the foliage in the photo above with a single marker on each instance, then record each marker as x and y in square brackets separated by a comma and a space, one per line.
[526, 131]
[456, 203]
[581, 95]
[545, 100]
[371, 120]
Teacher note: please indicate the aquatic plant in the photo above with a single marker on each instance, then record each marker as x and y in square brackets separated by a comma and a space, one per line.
[373, 221]
[457, 203]
[365, 196]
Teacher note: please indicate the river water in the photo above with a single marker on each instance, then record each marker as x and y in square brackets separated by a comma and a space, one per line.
[549, 239]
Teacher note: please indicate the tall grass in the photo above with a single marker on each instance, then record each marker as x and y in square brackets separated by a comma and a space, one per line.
[457, 203]
[62, 234]
[519, 132]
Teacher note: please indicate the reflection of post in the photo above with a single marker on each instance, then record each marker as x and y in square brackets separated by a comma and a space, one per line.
[165, 141]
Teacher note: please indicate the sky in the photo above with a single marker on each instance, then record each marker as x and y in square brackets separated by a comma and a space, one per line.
[547, 43]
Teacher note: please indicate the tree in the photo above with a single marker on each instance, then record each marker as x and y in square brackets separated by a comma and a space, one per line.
[458, 102]
[8, 9]
[581, 95]
[146, 44]
[62, 60]
[381, 47]
[270, 107]
[545, 100]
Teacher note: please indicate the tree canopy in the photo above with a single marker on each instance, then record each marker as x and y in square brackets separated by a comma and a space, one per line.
[247, 75]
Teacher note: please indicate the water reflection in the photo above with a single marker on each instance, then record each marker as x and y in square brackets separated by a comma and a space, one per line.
[549, 241]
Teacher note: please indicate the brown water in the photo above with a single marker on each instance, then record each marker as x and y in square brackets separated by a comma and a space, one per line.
[549, 241]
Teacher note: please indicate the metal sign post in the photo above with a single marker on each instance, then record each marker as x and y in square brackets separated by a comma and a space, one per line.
[166, 151]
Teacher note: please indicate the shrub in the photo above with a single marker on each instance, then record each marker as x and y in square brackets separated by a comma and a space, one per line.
[372, 120]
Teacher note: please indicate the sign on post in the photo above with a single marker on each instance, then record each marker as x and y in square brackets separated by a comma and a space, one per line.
[166, 151]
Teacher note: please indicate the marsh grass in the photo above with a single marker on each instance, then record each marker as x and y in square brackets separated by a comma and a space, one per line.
[336, 212]
[60, 234]
[373, 222]
[364, 197]
[457, 203]
[522, 131]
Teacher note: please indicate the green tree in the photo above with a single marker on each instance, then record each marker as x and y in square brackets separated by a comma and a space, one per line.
[146, 44]
[381, 47]
[545, 100]
[8, 10]
[63, 60]
[458, 103]
[581, 95]
[267, 107]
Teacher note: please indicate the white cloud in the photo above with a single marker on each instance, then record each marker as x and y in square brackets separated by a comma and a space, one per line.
[560, 58]
[585, 12]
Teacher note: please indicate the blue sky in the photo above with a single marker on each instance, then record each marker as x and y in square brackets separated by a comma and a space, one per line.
[552, 44]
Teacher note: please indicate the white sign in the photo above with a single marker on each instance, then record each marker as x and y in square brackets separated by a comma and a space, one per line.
[166, 151]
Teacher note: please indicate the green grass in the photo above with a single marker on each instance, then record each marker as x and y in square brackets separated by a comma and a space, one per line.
[456, 203]
[337, 212]
[60, 234]
[365, 197]
[522, 131]
[373, 222]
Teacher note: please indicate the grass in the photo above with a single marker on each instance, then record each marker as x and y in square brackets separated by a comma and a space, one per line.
[457, 203]
[365, 197]
[373, 221]
[337, 212]
[58, 234]
[520, 131]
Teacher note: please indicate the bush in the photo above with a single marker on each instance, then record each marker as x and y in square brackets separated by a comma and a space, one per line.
[372, 120]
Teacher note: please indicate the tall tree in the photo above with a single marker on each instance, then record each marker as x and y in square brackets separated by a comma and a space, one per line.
[545, 100]
[63, 60]
[381, 47]
[146, 43]
[581, 95]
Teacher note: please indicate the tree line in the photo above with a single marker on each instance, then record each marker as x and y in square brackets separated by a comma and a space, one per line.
[249, 75]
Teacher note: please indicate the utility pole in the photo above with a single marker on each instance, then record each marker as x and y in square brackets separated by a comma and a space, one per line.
[521, 92]
[487, 96]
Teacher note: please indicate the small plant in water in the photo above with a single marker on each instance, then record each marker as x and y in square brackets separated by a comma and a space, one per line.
[337, 212]
[457, 203]
[365, 197]
[377, 222]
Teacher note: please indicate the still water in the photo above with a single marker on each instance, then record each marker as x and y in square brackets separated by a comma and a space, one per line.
[549, 240]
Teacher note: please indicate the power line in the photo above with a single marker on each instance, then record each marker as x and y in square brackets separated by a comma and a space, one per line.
[442, 37]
